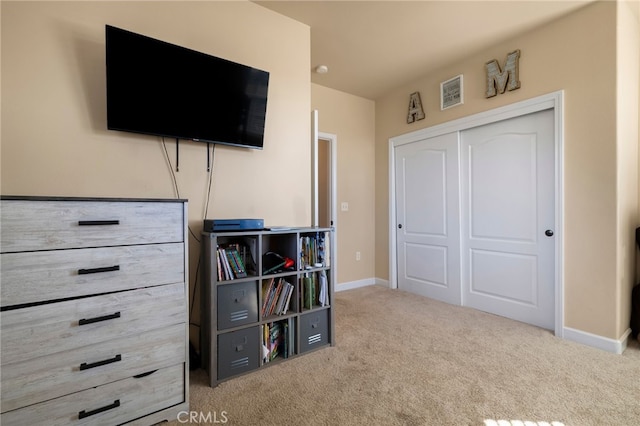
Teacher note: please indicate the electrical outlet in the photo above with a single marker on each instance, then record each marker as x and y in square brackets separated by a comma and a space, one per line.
[345, 206]
[357, 255]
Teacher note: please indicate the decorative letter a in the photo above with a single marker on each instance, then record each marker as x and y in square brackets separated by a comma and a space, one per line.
[498, 79]
[415, 108]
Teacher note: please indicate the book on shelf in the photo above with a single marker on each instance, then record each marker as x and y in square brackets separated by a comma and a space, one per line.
[223, 273]
[307, 252]
[291, 337]
[315, 289]
[219, 265]
[282, 295]
[238, 261]
[230, 262]
[239, 268]
[324, 249]
[265, 342]
[288, 338]
[285, 340]
[225, 267]
[276, 340]
[308, 291]
[314, 250]
[267, 286]
[323, 294]
[287, 303]
[234, 260]
[276, 297]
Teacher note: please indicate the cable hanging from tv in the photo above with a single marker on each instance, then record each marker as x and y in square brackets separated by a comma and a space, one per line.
[178, 156]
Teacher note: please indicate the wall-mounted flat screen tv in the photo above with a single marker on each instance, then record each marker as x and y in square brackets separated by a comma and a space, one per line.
[158, 88]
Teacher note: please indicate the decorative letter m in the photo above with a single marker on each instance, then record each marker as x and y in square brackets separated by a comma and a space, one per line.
[497, 79]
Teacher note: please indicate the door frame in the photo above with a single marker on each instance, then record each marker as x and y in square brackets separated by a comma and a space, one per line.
[332, 140]
[555, 101]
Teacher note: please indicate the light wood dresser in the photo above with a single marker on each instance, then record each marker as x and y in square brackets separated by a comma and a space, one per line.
[93, 310]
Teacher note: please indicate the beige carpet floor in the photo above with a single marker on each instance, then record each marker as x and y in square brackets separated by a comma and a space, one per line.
[402, 359]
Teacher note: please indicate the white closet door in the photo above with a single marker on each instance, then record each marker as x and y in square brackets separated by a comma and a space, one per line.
[427, 210]
[508, 196]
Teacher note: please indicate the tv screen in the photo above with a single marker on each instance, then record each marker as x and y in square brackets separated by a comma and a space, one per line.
[158, 88]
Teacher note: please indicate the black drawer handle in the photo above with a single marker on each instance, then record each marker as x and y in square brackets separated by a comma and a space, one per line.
[148, 373]
[98, 222]
[85, 321]
[85, 366]
[98, 270]
[83, 414]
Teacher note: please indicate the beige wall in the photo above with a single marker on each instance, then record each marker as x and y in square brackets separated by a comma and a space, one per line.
[54, 139]
[54, 136]
[628, 92]
[576, 54]
[351, 118]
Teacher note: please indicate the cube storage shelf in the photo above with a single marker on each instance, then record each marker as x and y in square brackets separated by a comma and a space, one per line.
[267, 297]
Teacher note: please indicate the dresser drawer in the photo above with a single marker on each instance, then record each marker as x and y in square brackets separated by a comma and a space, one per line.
[314, 330]
[238, 352]
[237, 304]
[59, 274]
[51, 225]
[39, 379]
[110, 404]
[62, 326]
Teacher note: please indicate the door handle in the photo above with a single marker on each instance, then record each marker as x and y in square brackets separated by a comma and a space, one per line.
[548, 233]
[399, 226]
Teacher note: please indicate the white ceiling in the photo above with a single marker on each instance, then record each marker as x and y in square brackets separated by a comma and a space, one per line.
[370, 47]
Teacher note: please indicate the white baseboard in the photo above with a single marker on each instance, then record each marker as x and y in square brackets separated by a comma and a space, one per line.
[361, 283]
[595, 341]
[383, 283]
[354, 284]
